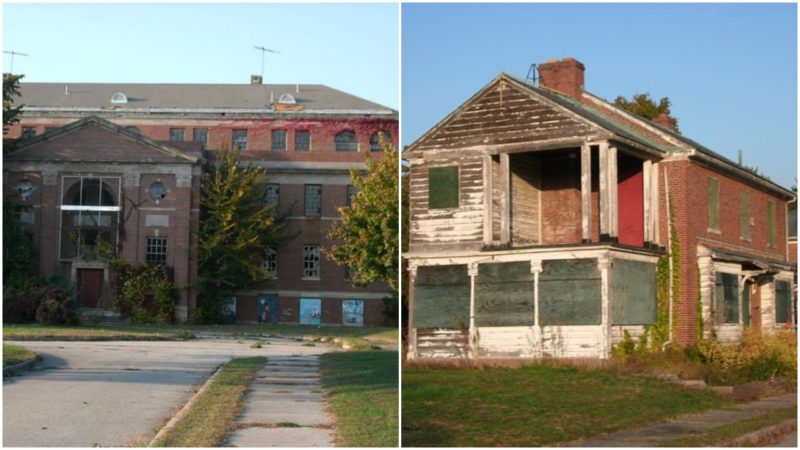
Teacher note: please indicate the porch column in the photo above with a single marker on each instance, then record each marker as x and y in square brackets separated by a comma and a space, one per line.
[536, 269]
[605, 232]
[654, 211]
[472, 271]
[647, 167]
[613, 214]
[603, 264]
[487, 200]
[505, 199]
[412, 333]
[586, 193]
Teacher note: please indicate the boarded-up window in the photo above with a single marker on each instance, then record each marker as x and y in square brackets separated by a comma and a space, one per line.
[441, 297]
[443, 187]
[569, 292]
[727, 298]
[771, 223]
[633, 293]
[745, 212]
[713, 204]
[783, 301]
[504, 294]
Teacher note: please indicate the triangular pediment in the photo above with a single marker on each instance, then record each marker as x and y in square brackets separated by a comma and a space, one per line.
[505, 112]
[97, 140]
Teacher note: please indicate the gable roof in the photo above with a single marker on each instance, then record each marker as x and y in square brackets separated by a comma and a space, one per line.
[313, 98]
[96, 139]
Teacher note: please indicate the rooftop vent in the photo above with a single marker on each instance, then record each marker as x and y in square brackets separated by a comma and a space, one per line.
[119, 97]
[287, 99]
[255, 79]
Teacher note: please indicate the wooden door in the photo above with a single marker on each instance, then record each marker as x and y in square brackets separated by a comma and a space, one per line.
[90, 282]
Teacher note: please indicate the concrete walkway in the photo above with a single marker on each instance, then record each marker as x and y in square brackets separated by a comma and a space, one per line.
[284, 407]
[653, 435]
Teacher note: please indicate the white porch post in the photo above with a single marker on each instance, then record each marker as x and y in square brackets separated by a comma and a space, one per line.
[412, 332]
[604, 264]
[536, 269]
[605, 231]
[647, 168]
[586, 193]
[613, 214]
[654, 211]
[472, 271]
[505, 199]
[487, 201]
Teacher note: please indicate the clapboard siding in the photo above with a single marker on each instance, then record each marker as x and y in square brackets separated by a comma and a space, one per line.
[557, 342]
[460, 227]
[618, 332]
[504, 114]
[728, 332]
[524, 200]
[442, 343]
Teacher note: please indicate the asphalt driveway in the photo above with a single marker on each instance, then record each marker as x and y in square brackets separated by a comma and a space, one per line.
[88, 394]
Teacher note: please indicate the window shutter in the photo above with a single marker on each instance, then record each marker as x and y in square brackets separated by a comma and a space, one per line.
[713, 204]
[443, 187]
[771, 222]
[745, 215]
[783, 301]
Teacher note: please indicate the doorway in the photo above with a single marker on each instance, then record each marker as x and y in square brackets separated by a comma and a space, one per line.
[90, 286]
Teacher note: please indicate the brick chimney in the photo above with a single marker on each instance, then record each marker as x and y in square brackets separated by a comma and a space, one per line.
[255, 79]
[564, 76]
[666, 121]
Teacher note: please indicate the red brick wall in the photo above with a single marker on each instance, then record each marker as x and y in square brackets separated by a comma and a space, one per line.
[289, 308]
[561, 201]
[688, 185]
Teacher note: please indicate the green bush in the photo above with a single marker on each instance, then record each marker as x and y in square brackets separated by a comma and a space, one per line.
[55, 312]
[756, 357]
[44, 304]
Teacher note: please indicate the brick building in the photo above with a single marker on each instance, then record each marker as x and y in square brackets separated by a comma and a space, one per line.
[144, 145]
[543, 212]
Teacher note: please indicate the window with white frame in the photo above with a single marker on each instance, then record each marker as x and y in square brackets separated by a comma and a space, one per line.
[278, 140]
[156, 251]
[273, 194]
[313, 200]
[726, 298]
[176, 134]
[783, 302]
[28, 132]
[89, 215]
[346, 142]
[375, 140]
[239, 139]
[270, 267]
[302, 141]
[200, 135]
[351, 192]
[311, 261]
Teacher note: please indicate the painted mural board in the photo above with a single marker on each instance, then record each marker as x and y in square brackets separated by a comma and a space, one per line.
[229, 309]
[353, 312]
[267, 309]
[310, 311]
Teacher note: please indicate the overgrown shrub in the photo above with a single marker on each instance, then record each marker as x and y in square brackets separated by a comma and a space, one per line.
[48, 305]
[756, 357]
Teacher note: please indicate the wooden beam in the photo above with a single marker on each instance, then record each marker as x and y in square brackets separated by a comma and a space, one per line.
[586, 192]
[603, 264]
[647, 167]
[487, 200]
[605, 232]
[412, 334]
[613, 211]
[472, 271]
[505, 199]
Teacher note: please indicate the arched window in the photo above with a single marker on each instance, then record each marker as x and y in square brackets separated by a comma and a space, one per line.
[89, 215]
[346, 142]
[119, 97]
[287, 99]
[134, 129]
[375, 140]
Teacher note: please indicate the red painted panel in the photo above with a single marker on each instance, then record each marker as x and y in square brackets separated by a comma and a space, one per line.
[630, 202]
[91, 283]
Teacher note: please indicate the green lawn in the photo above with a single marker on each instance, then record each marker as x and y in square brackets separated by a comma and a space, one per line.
[363, 396]
[214, 412]
[172, 332]
[14, 354]
[535, 405]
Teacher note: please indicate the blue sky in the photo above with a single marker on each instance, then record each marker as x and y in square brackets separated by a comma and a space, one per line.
[729, 69]
[352, 47]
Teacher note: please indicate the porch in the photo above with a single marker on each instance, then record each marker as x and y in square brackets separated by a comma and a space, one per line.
[571, 301]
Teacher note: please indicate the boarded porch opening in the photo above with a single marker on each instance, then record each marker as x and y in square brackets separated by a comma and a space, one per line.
[630, 197]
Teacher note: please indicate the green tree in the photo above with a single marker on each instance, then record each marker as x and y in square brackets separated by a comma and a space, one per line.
[644, 106]
[19, 256]
[236, 228]
[10, 90]
[366, 239]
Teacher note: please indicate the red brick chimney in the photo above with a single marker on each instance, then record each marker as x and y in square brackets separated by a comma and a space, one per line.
[666, 121]
[564, 76]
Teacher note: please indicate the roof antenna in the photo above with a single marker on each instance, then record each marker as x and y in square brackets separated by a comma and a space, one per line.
[66, 89]
[531, 77]
[13, 53]
[264, 50]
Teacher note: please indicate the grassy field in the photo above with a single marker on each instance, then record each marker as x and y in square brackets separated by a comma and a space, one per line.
[14, 354]
[210, 418]
[363, 396]
[721, 435]
[178, 332]
[536, 405]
